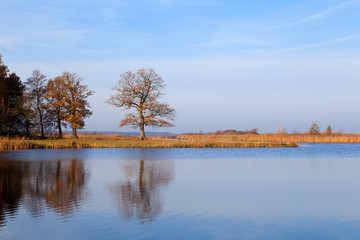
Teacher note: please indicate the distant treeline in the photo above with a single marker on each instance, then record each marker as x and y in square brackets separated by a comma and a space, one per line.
[227, 132]
[234, 132]
[137, 134]
[314, 129]
[40, 106]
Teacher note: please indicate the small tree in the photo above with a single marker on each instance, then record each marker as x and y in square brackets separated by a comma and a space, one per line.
[141, 91]
[314, 129]
[328, 130]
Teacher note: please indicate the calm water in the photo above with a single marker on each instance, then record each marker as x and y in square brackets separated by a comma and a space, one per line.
[312, 192]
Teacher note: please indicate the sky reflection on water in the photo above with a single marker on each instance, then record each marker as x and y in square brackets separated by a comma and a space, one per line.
[297, 193]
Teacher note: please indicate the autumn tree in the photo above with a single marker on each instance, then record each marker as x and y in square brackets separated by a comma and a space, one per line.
[141, 91]
[36, 87]
[69, 100]
[55, 95]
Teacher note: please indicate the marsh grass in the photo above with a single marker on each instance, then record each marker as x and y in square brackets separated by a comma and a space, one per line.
[278, 138]
[115, 141]
[181, 141]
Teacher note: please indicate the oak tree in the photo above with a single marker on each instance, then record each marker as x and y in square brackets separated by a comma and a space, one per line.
[141, 91]
[69, 100]
[55, 95]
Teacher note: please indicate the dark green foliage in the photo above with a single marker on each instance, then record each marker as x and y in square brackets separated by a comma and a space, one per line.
[36, 109]
[11, 98]
[13, 115]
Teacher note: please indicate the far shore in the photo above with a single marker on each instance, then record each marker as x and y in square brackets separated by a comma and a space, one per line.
[275, 138]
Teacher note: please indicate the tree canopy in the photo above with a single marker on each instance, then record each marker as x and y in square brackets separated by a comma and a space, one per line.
[141, 91]
[11, 98]
[314, 129]
[36, 107]
[36, 87]
[68, 98]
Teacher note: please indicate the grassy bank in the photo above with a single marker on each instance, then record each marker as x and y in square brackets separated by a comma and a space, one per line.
[182, 141]
[277, 138]
[114, 141]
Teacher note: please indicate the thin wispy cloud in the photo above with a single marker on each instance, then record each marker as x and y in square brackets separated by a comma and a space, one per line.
[159, 28]
[41, 37]
[319, 44]
[226, 41]
[316, 16]
[9, 42]
[184, 2]
[64, 47]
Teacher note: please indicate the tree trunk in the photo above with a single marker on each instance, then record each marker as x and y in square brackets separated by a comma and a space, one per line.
[41, 125]
[27, 128]
[59, 126]
[74, 133]
[2, 116]
[142, 128]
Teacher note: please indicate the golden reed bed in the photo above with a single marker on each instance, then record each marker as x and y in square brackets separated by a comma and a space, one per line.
[115, 141]
[278, 138]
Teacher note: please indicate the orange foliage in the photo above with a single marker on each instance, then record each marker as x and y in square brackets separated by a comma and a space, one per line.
[68, 99]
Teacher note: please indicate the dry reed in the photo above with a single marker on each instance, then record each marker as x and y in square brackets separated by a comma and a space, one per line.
[115, 141]
[278, 138]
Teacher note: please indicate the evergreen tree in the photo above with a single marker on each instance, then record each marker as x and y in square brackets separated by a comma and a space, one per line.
[314, 129]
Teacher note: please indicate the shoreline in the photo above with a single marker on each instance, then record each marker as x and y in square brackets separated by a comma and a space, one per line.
[177, 141]
[21, 144]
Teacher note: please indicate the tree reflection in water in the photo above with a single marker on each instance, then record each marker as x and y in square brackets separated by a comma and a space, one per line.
[58, 186]
[138, 194]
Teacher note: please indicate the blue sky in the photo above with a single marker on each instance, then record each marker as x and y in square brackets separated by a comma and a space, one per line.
[227, 64]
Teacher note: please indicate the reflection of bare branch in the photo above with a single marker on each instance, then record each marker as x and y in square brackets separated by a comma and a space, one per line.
[138, 194]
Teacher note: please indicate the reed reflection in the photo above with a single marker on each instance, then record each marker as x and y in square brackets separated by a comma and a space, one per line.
[138, 194]
[58, 186]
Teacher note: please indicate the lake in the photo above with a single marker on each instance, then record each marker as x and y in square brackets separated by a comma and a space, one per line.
[311, 192]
